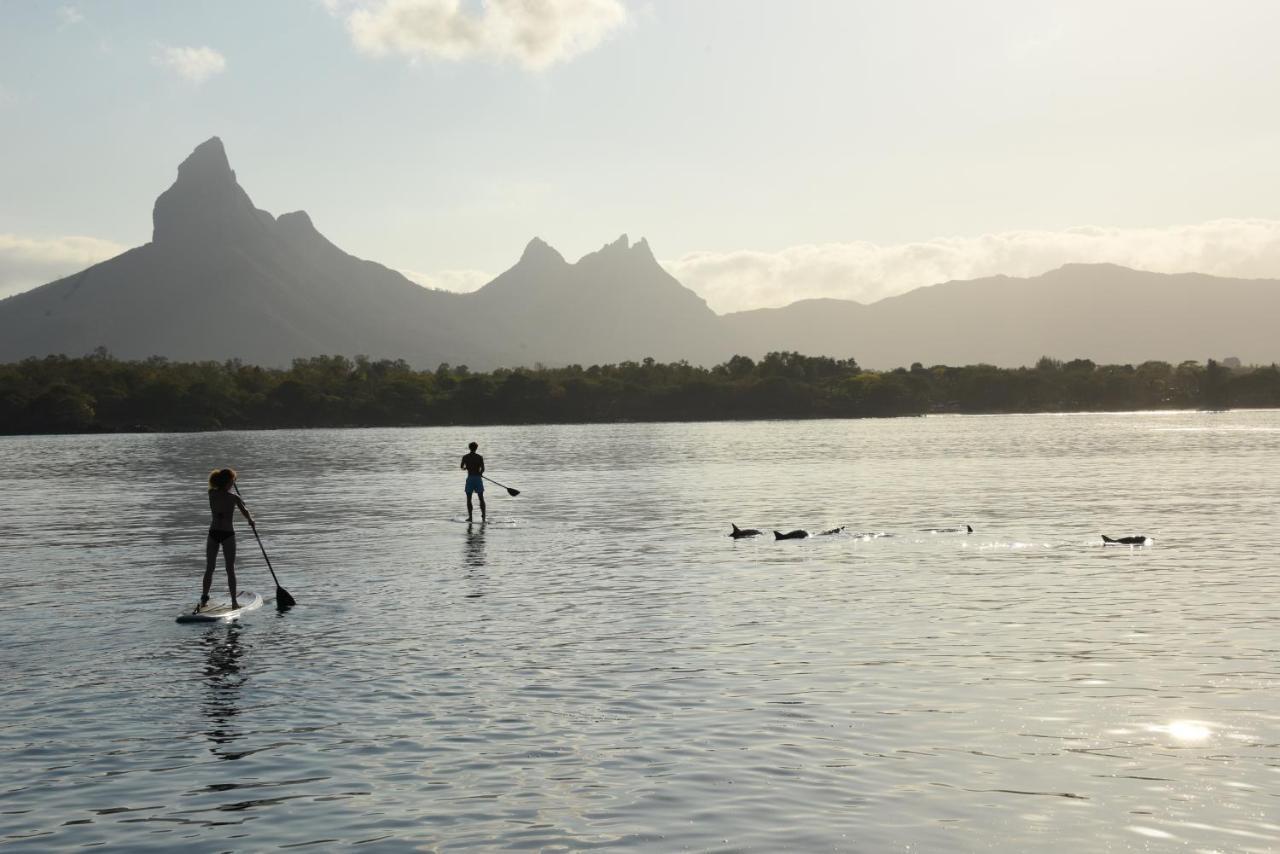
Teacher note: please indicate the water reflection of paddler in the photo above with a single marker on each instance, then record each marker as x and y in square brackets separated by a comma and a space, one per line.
[224, 681]
[475, 545]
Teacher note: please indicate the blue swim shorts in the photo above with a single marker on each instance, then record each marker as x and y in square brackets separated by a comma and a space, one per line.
[475, 483]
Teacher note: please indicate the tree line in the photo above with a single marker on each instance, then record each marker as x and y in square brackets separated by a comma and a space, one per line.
[100, 393]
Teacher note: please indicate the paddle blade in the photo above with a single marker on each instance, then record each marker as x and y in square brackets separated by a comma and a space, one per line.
[512, 492]
[283, 599]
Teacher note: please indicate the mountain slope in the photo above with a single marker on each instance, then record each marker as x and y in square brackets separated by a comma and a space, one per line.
[222, 279]
[612, 305]
[1103, 312]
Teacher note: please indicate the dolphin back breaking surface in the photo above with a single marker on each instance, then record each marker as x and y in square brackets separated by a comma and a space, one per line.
[1136, 540]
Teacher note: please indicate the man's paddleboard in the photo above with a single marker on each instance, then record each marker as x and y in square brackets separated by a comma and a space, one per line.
[216, 612]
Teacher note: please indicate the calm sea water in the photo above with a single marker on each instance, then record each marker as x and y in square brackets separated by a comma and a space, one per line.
[602, 667]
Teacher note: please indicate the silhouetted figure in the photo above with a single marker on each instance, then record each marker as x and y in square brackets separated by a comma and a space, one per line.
[222, 503]
[790, 535]
[738, 533]
[474, 464]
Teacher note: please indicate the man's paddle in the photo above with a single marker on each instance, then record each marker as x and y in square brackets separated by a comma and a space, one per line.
[512, 492]
[283, 599]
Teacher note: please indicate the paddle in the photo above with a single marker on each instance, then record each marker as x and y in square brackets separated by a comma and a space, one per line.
[283, 599]
[512, 492]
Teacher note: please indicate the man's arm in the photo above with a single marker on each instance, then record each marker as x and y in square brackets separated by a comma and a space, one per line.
[463, 464]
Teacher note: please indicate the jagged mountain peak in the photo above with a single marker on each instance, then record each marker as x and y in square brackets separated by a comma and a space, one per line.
[205, 202]
[622, 255]
[296, 223]
[539, 251]
[298, 219]
[208, 159]
[622, 244]
[641, 249]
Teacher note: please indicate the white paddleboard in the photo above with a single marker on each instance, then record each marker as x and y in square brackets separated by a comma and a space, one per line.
[216, 612]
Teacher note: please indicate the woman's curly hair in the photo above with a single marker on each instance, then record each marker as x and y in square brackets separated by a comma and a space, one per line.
[222, 478]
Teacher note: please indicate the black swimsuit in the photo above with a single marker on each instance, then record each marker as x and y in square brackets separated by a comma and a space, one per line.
[220, 536]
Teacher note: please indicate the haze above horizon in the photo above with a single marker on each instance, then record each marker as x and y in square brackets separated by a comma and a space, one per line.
[769, 153]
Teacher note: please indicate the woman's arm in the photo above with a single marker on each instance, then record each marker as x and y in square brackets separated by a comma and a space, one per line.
[244, 510]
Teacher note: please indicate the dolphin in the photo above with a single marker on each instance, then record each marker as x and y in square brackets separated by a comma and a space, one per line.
[832, 531]
[739, 533]
[797, 534]
[1140, 540]
[968, 529]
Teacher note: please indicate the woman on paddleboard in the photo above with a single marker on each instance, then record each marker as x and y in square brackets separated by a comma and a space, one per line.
[222, 503]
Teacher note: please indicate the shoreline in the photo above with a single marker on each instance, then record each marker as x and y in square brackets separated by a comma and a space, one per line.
[656, 421]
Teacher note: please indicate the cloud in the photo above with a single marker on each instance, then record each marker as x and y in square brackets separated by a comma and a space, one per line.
[461, 281]
[29, 261]
[194, 64]
[734, 281]
[69, 15]
[534, 33]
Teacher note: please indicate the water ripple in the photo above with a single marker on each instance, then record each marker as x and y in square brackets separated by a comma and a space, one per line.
[607, 669]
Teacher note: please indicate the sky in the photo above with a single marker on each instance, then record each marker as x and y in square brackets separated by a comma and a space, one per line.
[769, 151]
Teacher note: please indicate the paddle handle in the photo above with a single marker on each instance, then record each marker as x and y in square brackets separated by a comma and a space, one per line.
[263, 549]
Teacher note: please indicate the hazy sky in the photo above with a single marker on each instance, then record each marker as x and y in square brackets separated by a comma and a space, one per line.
[769, 151]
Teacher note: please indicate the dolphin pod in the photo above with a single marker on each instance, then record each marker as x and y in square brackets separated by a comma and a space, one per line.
[800, 534]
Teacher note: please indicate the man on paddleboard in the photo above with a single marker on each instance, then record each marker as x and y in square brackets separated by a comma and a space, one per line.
[474, 464]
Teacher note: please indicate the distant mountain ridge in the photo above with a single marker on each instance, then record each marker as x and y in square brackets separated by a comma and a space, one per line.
[1104, 312]
[223, 279]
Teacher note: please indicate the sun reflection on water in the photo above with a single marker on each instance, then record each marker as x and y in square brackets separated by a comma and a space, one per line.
[1186, 730]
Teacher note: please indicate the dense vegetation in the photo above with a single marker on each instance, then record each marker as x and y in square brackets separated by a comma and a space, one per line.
[100, 393]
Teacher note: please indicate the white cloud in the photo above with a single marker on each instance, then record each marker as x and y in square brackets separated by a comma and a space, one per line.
[734, 281]
[194, 64]
[534, 33]
[69, 16]
[462, 281]
[29, 261]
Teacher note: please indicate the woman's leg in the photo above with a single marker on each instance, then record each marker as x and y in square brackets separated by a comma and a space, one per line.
[229, 552]
[210, 558]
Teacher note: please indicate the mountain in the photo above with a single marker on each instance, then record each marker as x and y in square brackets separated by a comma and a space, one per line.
[1103, 312]
[222, 279]
[612, 305]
